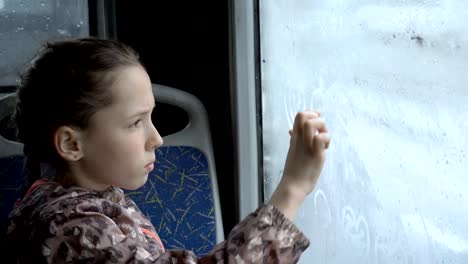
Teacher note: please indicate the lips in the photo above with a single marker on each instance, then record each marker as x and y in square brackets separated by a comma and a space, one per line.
[150, 166]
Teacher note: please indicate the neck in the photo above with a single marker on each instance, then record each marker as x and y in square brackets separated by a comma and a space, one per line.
[77, 179]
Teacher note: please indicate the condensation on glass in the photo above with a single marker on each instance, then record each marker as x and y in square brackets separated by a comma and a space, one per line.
[391, 80]
[26, 25]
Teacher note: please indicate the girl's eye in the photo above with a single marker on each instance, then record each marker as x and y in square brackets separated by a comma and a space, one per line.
[137, 123]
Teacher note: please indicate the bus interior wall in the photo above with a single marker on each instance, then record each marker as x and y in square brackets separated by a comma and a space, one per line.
[185, 45]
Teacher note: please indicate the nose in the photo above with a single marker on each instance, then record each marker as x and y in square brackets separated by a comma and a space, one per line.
[154, 140]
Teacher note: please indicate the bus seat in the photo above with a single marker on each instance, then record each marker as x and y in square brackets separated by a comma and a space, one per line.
[180, 197]
[12, 174]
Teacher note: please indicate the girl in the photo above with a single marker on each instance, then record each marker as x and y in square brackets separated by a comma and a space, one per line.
[84, 108]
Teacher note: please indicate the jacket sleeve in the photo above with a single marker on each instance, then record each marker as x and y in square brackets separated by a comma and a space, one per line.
[265, 236]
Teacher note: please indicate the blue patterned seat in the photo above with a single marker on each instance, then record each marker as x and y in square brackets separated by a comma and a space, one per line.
[11, 165]
[178, 199]
[11, 179]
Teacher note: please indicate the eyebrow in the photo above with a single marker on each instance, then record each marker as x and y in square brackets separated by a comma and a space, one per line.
[142, 112]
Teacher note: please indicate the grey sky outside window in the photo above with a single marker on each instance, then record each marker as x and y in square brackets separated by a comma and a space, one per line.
[26, 25]
[391, 79]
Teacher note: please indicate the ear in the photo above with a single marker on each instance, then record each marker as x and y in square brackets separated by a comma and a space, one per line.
[67, 141]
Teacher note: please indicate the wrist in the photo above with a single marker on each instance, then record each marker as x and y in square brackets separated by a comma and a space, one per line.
[287, 199]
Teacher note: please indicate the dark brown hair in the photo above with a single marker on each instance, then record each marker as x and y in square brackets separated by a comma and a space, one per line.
[66, 84]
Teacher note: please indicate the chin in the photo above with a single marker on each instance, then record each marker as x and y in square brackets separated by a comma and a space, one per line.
[131, 186]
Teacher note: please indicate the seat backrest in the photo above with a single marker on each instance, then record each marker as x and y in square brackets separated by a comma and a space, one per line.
[180, 197]
[11, 180]
[12, 174]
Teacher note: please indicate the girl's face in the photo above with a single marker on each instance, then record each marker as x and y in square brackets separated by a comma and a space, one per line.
[119, 144]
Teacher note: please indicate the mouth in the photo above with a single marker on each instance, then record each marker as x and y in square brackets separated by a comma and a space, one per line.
[150, 166]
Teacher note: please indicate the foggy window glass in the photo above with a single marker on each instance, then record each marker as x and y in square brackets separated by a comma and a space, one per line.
[25, 25]
[391, 80]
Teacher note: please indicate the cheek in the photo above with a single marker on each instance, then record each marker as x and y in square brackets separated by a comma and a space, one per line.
[105, 143]
[104, 146]
[126, 149]
[119, 147]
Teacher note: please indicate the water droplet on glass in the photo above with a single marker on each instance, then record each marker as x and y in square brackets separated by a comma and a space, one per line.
[62, 32]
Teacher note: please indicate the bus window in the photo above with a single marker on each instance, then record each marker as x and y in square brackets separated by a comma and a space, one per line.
[390, 79]
[27, 24]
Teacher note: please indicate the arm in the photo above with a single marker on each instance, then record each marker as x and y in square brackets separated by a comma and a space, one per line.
[262, 237]
[306, 156]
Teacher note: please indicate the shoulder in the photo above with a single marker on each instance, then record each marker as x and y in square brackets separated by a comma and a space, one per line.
[71, 203]
[52, 201]
[77, 220]
[50, 209]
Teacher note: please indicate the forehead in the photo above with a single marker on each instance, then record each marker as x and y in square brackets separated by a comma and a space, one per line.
[132, 88]
[130, 92]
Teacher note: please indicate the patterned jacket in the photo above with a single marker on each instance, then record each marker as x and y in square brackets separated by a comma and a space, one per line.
[54, 224]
